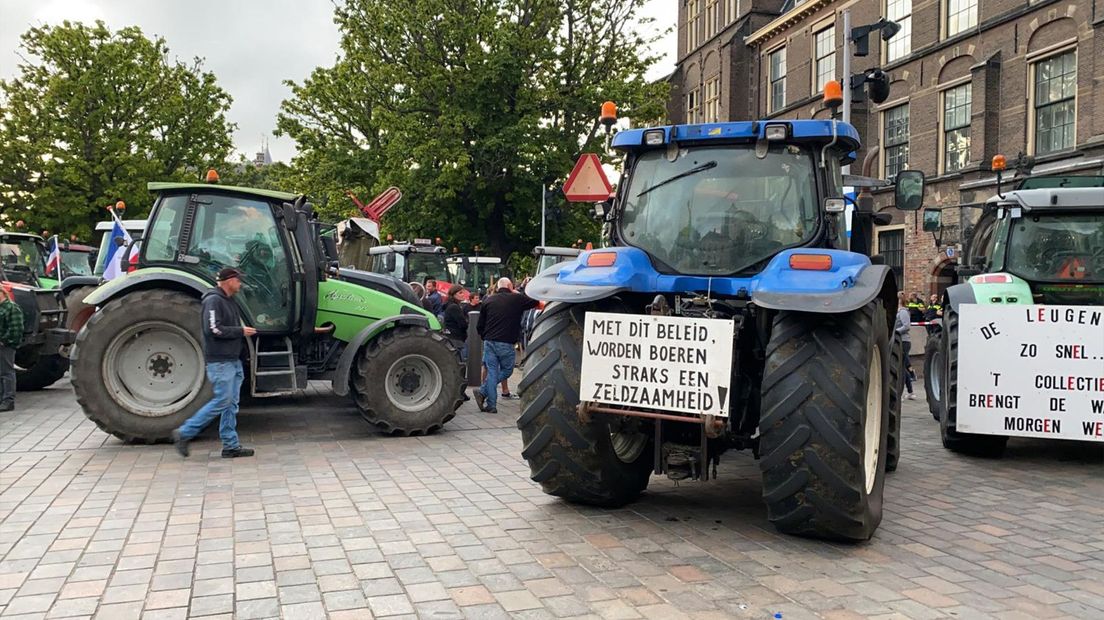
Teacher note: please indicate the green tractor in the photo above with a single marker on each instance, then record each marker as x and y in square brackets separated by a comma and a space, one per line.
[38, 361]
[410, 262]
[138, 367]
[1040, 244]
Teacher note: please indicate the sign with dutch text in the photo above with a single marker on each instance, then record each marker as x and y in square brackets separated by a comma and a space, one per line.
[665, 363]
[1031, 371]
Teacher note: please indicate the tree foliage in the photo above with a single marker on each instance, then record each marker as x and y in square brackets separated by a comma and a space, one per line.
[92, 116]
[469, 106]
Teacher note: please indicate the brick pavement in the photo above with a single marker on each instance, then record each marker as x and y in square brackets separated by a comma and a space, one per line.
[330, 520]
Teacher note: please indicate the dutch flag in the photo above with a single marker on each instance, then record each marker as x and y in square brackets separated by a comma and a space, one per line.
[114, 251]
[54, 260]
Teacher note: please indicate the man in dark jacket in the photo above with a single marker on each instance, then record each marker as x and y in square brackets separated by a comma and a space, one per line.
[11, 336]
[223, 336]
[500, 326]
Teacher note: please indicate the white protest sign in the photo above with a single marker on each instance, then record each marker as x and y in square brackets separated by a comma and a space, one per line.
[667, 363]
[1031, 371]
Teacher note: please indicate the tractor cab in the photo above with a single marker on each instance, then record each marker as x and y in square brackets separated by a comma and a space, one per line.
[22, 258]
[411, 262]
[1042, 245]
[38, 360]
[77, 259]
[200, 229]
[475, 272]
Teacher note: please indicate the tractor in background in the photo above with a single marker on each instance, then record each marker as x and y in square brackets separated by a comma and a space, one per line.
[734, 232]
[137, 363]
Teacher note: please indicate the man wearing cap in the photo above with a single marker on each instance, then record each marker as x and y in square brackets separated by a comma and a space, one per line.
[223, 336]
[11, 336]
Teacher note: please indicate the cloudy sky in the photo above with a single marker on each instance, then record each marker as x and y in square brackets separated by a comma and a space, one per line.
[251, 45]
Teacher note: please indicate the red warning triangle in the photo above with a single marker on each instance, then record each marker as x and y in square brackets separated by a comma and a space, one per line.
[588, 182]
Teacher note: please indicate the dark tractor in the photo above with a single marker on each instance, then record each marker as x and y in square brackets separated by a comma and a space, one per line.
[39, 361]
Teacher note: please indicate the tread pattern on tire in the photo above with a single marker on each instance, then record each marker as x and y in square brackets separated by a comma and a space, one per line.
[931, 347]
[363, 385]
[896, 392]
[811, 427]
[569, 459]
[91, 393]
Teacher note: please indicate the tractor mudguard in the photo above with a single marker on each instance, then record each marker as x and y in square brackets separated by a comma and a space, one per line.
[73, 282]
[849, 284]
[142, 279]
[959, 294]
[348, 356]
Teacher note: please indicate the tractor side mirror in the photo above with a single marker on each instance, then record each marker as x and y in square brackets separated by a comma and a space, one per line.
[909, 190]
[291, 220]
[933, 220]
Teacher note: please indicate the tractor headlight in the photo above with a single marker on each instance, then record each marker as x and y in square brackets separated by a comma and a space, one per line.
[776, 132]
[834, 205]
[653, 137]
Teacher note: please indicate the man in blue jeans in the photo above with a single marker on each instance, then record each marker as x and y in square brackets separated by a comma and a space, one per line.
[500, 327]
[223, 337]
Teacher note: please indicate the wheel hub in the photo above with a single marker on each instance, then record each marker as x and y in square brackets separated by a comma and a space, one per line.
[160, 365]
[415, 383]
[408, 380]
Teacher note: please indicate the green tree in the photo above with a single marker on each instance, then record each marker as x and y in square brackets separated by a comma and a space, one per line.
[470, 106]
[92, 116]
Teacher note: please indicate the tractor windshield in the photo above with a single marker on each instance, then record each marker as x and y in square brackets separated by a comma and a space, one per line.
[22, 260]
[1067, 247]
[76, 263]
[720, 209]
[421, 265]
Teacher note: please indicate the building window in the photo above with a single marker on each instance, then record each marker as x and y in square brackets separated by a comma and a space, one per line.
[710, 18]
[890, 243]
[693, 11]
[777, 92]
[732, 11]
[824, 57]
[693, 100]
[712, 112]
[900, 45]
[956, 127]
[961, 16]
[896, 140]
[1055, 103]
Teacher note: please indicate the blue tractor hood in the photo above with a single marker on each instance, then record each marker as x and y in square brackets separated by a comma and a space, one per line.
[845, 286]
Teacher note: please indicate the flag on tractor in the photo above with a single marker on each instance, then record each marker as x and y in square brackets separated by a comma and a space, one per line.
[115, 249]
[54, 260]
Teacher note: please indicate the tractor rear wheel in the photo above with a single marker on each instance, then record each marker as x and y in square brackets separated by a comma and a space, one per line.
[408, 381]
[138, 367]
[825, 422]
[74, 303]
[967, 443]
[35, 371]
[603, 462]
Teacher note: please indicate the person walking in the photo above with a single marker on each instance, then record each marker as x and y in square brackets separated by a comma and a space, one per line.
[500, 326]
[902, 326]
[223, 337]
[11, 336]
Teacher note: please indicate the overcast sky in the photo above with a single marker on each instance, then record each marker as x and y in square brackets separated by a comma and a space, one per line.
[251, 45]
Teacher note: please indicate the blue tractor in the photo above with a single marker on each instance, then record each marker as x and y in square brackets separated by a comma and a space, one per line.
[741, 222]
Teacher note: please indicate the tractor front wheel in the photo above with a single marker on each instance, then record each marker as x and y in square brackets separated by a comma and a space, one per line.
[138, 367]
[606, 461]
[825, 422]
[408, 381]
[933, 374]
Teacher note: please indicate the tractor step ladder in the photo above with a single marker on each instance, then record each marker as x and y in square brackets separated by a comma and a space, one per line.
[274, 363]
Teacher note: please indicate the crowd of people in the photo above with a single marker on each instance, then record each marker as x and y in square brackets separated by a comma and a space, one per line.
[502, 325]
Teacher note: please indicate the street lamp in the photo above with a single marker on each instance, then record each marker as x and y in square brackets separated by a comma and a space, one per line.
[878, 79]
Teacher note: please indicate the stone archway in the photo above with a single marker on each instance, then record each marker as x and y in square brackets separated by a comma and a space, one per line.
[943, 276]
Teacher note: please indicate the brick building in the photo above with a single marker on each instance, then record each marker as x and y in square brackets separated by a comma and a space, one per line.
[970, 79]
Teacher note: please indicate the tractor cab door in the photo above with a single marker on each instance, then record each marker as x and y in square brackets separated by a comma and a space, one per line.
[203, 233]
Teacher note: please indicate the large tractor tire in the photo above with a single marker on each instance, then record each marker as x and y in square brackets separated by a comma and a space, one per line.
[933, 369]
[991, 446]
[138, 367]
[74, 303]
[896, 393]
[35, 371]
[408, 381]
[825, 422]
[603, 462]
